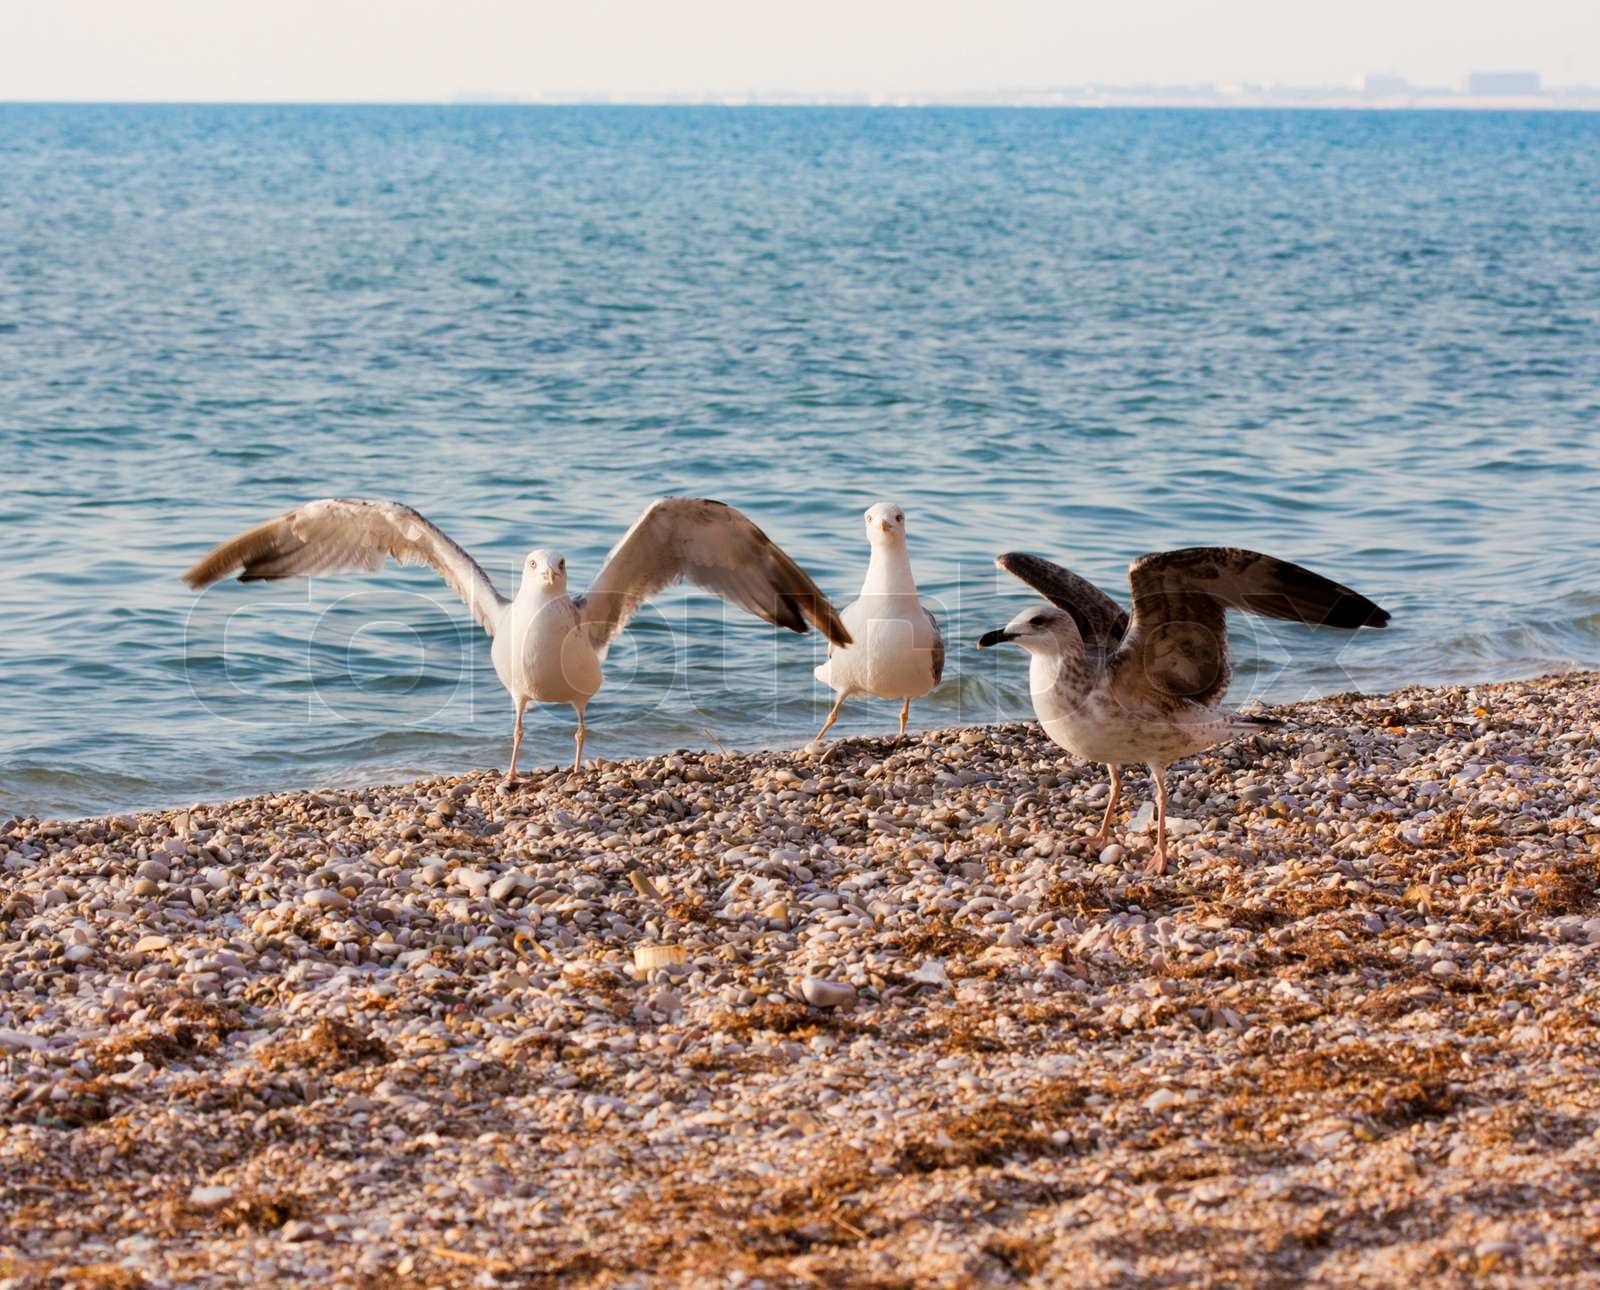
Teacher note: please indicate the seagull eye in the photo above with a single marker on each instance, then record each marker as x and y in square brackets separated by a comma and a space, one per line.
[1036, 621]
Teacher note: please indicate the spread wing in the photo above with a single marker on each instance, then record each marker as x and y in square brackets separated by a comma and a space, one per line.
[1101, 620]
[1177, 642]
[713, 546]
[338, 534]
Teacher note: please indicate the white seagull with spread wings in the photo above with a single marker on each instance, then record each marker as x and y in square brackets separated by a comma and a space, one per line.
[548, 646]
[1148, 688]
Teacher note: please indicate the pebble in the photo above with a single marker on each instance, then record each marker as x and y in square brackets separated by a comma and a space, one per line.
[821, 993]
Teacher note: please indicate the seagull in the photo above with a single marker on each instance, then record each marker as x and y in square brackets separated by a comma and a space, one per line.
[1148, 688]
[548, 646]
[898, 652]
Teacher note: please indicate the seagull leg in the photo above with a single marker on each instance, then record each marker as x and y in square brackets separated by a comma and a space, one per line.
[832, 717]
[1104, 836]
[577, 758]
[1159, 864]
[516, 742]
[905, 711]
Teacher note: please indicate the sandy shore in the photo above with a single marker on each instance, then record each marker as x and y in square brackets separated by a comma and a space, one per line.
[400, 1037]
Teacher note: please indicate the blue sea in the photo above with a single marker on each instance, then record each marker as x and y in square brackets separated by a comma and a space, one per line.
[1368, 342]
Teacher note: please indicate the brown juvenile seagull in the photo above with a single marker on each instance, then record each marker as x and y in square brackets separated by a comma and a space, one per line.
[548, 646]
[1147, 688]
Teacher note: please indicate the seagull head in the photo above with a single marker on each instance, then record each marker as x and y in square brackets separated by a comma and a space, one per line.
[545, 570]
[1039, 629]
[886, 522]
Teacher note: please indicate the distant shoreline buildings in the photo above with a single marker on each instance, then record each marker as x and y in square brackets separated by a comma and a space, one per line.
[1480, 90]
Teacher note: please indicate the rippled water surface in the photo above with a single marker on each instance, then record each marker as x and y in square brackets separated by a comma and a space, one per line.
[1367, 342]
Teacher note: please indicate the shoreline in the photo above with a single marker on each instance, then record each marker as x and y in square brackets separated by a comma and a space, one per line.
[898, 1026]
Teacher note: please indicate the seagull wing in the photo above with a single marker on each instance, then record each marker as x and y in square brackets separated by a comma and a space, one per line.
[938, 647]
[713, 546]
[337, 534]
[1177, 642]
[1101, 620]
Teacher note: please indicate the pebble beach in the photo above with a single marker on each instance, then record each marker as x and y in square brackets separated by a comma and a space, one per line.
[865, 1015]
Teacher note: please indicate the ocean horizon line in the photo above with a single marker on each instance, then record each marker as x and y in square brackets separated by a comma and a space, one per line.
[885, 104]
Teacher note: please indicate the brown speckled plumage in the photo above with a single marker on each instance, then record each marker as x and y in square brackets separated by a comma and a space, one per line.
[1145, 686]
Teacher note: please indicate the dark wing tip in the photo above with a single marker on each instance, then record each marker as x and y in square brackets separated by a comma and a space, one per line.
[1353, 611]
[801, 604]
[790, 614]
[829, 623]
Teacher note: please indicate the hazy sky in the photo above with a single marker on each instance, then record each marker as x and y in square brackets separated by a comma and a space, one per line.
[434, 49]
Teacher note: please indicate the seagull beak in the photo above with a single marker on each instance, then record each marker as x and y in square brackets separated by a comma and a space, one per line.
[994, 638]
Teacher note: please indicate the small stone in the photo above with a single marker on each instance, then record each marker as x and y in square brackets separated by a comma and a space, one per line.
[1444, 968]
[820, 993]
[1162, 1099]
[151, 944]
[325, 898]
[154, 870]
[1491, 1254]
[1111, 854]
[210, 1197]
